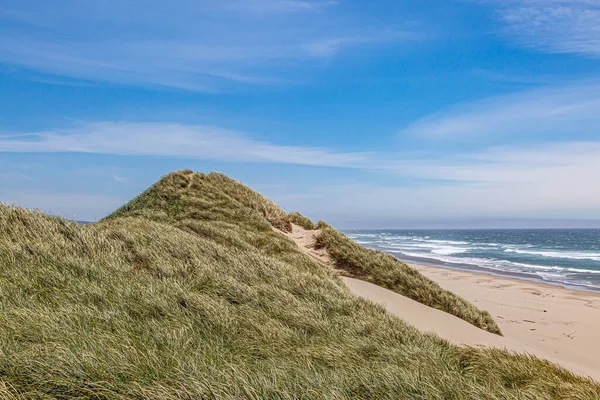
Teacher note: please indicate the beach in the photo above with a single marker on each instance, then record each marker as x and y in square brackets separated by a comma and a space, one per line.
[561, 323]
[548, 321]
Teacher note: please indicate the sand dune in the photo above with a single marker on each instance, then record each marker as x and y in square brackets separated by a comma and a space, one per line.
[550, 322]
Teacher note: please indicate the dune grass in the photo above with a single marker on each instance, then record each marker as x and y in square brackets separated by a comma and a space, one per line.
[188, 293]
[387, 271]
[301, 220]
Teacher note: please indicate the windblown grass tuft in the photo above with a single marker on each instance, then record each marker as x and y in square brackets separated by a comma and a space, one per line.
[305, 222]
[188, 293]
[387, 271]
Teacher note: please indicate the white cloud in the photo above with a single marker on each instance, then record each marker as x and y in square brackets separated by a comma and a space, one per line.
[536, 112]
[492, 190]
[120, 179]
[197, 45]
[173, 140]
[526, 163]
[330, 47]
[554, 26]
[372, 205]
[558, 166]
[548, 181]
[552, 179]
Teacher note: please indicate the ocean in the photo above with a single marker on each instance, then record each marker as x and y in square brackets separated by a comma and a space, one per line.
[568, 257]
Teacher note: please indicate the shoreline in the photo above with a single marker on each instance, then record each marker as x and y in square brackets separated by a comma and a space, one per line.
[477, 269]
[560, 322]
[547, 321]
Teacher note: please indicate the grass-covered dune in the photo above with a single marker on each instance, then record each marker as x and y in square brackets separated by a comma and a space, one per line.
[188, 293]
[301, 220]
[387, 271]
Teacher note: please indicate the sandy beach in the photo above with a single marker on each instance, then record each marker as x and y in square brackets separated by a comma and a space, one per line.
[551, 322]
[561, 323]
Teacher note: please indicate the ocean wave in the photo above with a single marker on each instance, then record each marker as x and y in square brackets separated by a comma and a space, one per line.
[446, 251]
[432, 248]
[557, 254]
[560, 269]
[427, 240]
[399, 238]
[446, 241]
[568, 266]
[357, 235]
[507, 266]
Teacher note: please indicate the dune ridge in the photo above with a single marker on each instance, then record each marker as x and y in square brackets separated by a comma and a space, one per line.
[192, 291]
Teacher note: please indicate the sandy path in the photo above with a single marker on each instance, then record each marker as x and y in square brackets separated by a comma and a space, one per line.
[550, 322]
[305, 240]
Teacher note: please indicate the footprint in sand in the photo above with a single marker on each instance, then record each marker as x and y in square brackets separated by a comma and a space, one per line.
[502, 286]
[533, 291]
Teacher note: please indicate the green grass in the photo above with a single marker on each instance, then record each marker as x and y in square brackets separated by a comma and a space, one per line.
[387, 271]
[188, 293]
[299, 219]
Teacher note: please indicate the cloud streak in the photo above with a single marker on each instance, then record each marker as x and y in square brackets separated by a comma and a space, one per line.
[553, 26]
[554, 179]
[173, 140]
[541, 112]
[197, 46]
[544, 162]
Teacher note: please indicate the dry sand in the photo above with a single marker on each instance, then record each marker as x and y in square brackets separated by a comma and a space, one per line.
[560, 325]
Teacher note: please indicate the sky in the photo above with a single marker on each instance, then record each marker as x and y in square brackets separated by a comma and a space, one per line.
[378, 114]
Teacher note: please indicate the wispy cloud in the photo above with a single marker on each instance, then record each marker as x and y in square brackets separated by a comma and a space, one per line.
[522, 80]
[120, 179]
[330, 47]
[544, 162]
[551, 179]
[567, 110]
[555, 26]
[173, 140]
[197, 45]
[557, 164]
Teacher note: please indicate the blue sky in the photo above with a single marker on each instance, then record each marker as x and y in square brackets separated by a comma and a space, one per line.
[471, 113]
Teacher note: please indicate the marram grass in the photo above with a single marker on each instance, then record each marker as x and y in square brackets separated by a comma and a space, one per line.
[301, 220]
[188, 293]
[387, 271]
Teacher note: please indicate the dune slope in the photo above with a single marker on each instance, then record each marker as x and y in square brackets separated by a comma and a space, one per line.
[189, 292]
[387, 271]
